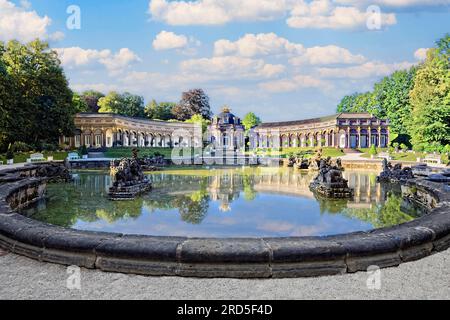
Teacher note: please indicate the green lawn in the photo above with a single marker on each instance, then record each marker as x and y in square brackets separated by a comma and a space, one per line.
[407, 156]
[23, 156]
[326, 152]
[123, 152]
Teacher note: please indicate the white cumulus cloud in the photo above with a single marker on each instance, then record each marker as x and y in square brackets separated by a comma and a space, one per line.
[232, 67]
[212, 12]
[421, 54]
[327, 55]
[295, 83]
[323, 14]
[168, 40]
[251, 45]
[19, 23]
[366, 70]
[114, 62]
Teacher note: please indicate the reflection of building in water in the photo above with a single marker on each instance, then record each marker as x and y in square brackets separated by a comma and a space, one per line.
[225, 188]
[226, 185]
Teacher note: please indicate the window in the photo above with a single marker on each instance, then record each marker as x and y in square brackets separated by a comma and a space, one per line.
[87, 140]
[98, 140]
[77, 141]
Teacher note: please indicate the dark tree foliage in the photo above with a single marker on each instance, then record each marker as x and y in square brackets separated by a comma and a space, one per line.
[40, 107]
[193, 102]
[91, 98]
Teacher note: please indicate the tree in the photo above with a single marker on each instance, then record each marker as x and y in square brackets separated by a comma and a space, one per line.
[198, 119]
[430, 100]
[41, 109]
[133, 105]
[159, 111]
[6, 100]
[358, 102]
[392, 94]
[125, 104]
[91, 98]
[250, 121]
[192, 102]
[79, 103]
[111, 103]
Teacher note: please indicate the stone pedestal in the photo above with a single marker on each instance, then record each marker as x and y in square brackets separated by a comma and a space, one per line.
[119, 193]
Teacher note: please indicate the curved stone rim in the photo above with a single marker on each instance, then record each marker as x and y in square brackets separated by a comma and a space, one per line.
[221, 257]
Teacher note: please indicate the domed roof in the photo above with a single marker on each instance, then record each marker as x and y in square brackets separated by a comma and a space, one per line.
[226, 117]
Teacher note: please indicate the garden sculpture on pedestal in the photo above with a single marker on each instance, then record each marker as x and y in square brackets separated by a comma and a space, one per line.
[330, 182]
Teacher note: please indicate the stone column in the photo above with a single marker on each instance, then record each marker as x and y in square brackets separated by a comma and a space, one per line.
[387, 136]
[92, 137]
[359, 137]
[379, 137]
[348, 137]
[370, 136]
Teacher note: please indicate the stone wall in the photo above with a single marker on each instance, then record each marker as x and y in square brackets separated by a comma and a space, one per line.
[229, 257]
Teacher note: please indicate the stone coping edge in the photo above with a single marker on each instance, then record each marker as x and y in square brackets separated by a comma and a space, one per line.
[227, 257]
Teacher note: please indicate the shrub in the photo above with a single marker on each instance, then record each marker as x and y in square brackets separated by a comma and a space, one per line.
[396, 146]
[48, 147]
[373, 150]
[83, 150]
[19, 146]
[404, 147]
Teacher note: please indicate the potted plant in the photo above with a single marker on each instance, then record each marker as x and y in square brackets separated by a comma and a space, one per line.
[10, 155]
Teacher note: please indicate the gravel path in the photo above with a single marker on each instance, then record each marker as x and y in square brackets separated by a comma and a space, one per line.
[23, 278]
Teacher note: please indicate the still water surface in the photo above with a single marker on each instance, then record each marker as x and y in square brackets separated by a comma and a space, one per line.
[243, 202]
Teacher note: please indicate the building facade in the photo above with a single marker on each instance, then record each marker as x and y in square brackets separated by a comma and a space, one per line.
[97, 130]
[226, 131]
[343, 130]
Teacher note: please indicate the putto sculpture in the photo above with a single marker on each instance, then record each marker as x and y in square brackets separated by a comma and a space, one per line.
[394, 173]
[314, 162]
[129, 179]
[329, 182]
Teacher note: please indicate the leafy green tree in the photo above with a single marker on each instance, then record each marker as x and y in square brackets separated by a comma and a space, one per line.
[250, 121]
[159, 111]
[79, 103]
[358, 102]
[430, 100]
[42, 108]
[192, 102]
[6, 100]
[111, 103]
[392, 94]
[125, 104]
[198, 119]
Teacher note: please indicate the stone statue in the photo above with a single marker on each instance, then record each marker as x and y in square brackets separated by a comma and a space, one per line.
[394, 174]
[330, 182]
[129, 179]
[314, 163]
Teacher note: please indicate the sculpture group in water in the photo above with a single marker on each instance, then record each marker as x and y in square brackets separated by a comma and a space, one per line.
[330, 182]
[394, 173]
[129, 179]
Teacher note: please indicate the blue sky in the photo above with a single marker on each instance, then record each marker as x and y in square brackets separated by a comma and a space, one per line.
[282, 59]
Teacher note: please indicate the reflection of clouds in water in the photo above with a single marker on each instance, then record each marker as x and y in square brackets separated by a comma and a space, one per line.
[275, 226]
[306, 231]
[264, 203]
